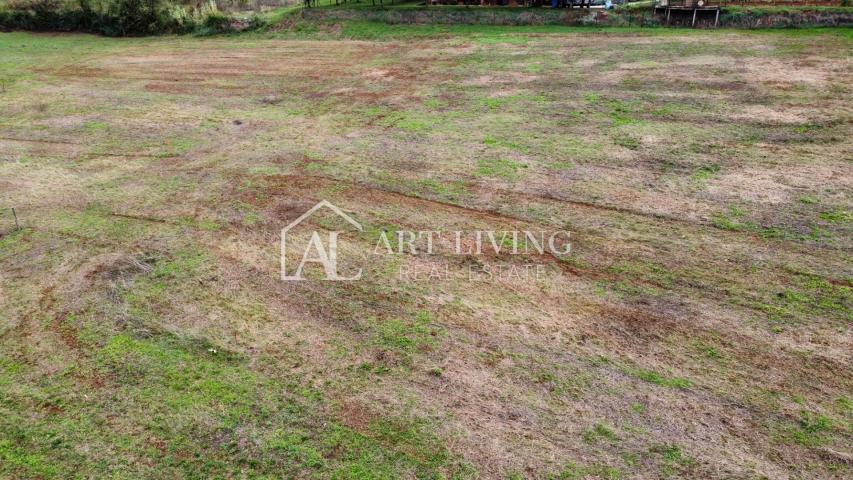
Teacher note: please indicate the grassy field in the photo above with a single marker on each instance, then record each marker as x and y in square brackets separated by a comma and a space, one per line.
[701, 327]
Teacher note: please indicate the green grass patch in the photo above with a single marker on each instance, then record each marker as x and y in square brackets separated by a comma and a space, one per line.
[15, 461]
[452, 191]
[706, 172]
[98, 222]
[708, 351]
[809, 296]
[404, 337]
[600, 432]
[673, 460]
[200, 400]
[836, 216]
[503, 168]
[659, 379]
[810, 431]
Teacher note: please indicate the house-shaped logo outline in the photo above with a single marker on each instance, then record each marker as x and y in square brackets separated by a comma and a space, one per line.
[291, 225]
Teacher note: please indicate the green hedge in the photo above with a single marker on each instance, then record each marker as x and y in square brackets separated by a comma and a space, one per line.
[118, 17]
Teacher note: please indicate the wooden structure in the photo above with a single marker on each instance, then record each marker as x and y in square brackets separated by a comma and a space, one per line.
[688, 6]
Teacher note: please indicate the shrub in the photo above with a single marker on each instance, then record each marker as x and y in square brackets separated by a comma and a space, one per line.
[38, 15]
[118, 17]
[214, 22]
[135, 17]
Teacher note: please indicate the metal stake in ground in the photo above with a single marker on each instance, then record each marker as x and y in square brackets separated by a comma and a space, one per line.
[17, 227]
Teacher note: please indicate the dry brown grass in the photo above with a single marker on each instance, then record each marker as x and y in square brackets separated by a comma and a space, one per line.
[683, 322]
